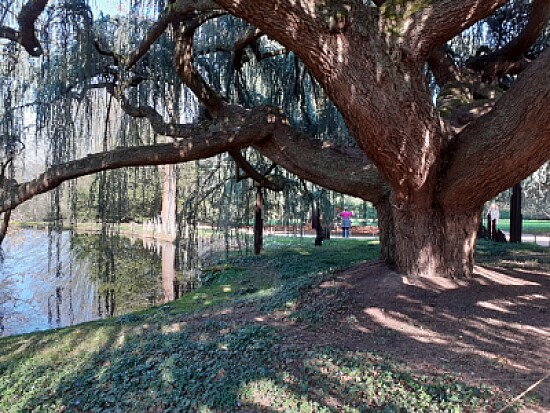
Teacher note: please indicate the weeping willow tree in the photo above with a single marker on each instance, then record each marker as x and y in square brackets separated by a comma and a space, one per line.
[338, 92]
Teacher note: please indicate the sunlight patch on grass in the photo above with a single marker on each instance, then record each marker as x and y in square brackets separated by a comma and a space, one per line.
[268, 394]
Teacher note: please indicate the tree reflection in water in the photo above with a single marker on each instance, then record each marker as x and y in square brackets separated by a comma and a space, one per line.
[62, 278]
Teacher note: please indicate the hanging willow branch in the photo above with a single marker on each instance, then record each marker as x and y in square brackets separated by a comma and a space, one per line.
[253, 126]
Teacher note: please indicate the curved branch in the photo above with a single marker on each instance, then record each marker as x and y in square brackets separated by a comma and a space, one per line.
[509, 59]
[28, 15]
[344, 170]
[174, 16]
[499, 149]
[258, 125]
[441, 21]
[183, 59]
[159, 125]
[26, 35]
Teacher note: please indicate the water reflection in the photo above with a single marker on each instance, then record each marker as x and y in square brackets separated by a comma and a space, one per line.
[61, 279]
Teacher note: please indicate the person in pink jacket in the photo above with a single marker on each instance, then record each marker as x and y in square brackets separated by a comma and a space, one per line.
[346, 222]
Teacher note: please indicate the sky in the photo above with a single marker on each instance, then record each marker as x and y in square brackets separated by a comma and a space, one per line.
[111, 7]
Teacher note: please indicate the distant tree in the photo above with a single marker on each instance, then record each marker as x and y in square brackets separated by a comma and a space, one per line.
[428, 166]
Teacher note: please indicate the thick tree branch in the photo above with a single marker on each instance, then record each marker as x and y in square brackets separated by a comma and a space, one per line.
[373, 116]
[28, 15]
[499, 149]
[439, 22]
[509, 59]
[26, 35]
[344, 170]
[256, 125]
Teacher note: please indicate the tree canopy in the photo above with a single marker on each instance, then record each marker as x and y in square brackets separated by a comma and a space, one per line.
[425, 108]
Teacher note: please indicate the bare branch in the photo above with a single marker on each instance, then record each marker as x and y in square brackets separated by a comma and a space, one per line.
[26, 36]
[183, 57]
[28, 15]
[160, 26]
[116, 57]
[441, 21]
[9, 34]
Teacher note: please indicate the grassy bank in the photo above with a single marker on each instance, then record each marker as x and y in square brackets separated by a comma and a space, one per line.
[211, 352]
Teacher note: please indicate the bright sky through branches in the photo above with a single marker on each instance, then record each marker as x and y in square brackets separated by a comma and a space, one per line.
[111, 7]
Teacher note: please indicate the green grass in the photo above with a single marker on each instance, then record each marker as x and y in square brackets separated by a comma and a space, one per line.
[530, 226]
[184, 357]
[514, 255]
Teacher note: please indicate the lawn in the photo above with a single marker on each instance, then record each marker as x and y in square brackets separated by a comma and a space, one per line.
[530, 226]
[214, 351]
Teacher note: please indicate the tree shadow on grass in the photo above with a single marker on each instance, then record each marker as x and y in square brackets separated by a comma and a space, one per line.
[166, 365]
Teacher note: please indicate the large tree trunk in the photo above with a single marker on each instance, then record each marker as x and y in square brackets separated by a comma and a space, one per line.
[428, 242]
[385, 228]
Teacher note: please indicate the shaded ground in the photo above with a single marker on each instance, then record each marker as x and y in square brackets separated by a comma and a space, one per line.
[493, 329]
[290, 331]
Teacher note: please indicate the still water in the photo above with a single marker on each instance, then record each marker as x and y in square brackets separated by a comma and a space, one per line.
[61, 279]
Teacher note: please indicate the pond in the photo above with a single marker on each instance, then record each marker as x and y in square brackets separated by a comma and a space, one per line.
[58, 279]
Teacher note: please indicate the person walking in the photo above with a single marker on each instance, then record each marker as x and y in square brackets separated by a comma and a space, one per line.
[345, 224]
